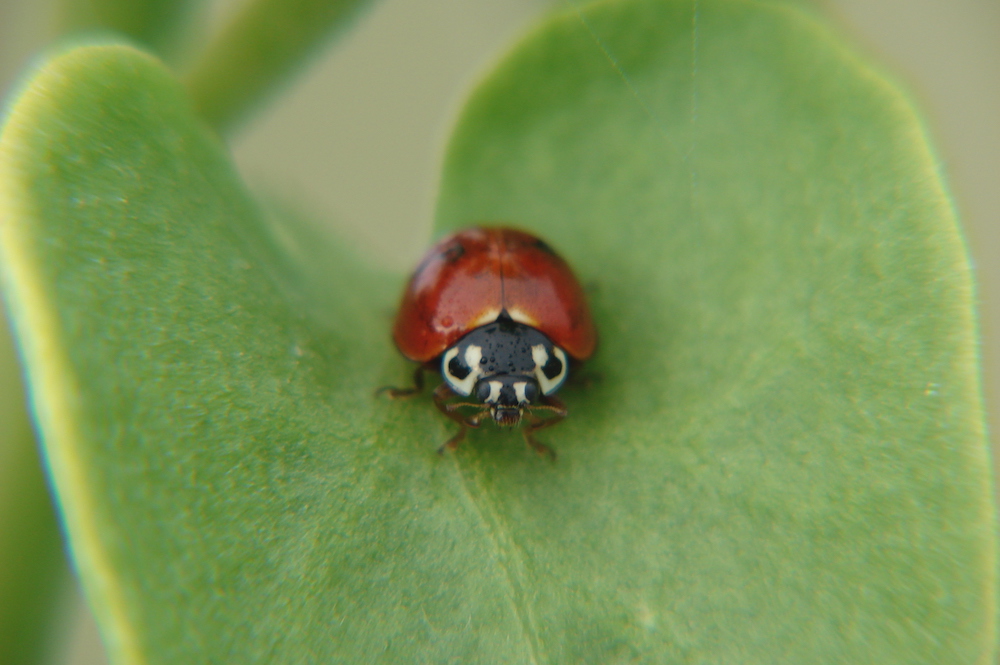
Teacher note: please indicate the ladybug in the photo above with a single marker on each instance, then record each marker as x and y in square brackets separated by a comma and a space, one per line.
[502, 317]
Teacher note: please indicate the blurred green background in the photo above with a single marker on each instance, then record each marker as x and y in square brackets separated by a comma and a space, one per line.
[357, 141]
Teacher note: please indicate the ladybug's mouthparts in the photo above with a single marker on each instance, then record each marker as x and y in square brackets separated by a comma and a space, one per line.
[506, 417]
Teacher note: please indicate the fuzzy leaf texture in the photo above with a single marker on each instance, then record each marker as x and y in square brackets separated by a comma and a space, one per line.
[779, 458]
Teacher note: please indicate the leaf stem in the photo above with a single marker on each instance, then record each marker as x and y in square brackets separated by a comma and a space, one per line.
[264, 43]
[157, 24]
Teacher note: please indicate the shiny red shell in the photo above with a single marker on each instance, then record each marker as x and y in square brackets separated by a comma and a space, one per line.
[469, 278]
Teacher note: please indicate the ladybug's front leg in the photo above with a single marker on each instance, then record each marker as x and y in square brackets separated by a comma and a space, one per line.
[442, 393]
[452, 443]
[535, 423]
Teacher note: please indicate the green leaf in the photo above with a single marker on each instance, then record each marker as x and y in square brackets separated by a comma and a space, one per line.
[780, 457]
[260, 48]
[198, 426]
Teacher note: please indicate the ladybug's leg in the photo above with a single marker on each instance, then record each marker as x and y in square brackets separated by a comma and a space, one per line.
[400, 393]
[443, 392]
[452, 443]
[535, 423]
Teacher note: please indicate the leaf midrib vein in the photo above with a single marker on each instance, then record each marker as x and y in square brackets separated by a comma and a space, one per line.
[509, 556]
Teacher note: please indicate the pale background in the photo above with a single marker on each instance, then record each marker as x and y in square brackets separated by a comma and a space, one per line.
[358, 138]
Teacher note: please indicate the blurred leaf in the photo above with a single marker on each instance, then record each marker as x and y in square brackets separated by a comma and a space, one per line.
[781, 458]
[156, 24]
[33, 568]
[258, 50]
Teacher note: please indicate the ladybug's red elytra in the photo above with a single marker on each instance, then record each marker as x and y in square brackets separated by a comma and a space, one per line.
[502, 317]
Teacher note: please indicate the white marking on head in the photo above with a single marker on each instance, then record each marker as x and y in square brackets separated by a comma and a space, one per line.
[519, 391]
[541, 357]
[473, 354]
[463, 387]
[495, 387]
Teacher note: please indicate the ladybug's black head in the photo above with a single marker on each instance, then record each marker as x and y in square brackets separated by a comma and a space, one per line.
[507, 366]
[506, 352]
[507, 396]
